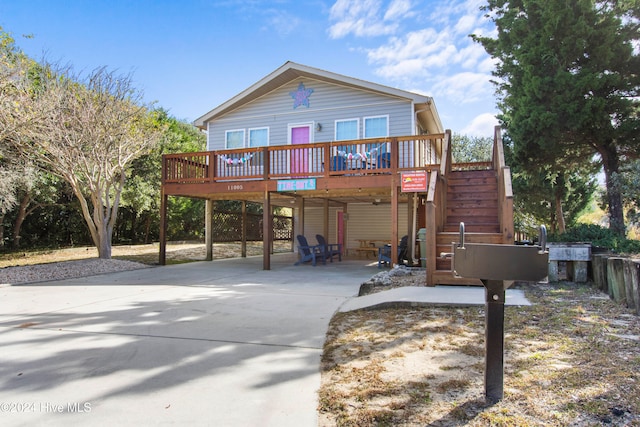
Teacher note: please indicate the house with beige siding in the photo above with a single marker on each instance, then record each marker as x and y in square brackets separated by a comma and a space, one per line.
[361, 163]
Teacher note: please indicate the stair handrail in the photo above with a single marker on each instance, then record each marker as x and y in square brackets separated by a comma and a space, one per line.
[505, 190]
[445, 161]
[435, 206]
[431, 223]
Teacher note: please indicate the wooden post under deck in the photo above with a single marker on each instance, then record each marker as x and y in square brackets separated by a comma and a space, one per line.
[325, 228]
[430, 244]
[244, 229]
[267, 218]
[163, 229]
[300, 229]
[394, 222]
[208, 232]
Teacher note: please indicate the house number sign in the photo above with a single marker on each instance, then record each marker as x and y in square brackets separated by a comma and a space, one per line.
[297, 184]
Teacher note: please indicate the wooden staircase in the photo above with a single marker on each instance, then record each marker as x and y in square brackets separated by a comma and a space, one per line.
[472, 198]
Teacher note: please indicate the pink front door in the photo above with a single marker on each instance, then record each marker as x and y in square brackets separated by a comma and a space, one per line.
[300, 156]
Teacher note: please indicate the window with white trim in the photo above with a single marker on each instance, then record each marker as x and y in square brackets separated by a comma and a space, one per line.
[376, 127]
[234, 139]
[347, 129]
[258, 137]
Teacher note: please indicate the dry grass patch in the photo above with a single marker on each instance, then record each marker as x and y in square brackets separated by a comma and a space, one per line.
[571, 359]
[177, 252]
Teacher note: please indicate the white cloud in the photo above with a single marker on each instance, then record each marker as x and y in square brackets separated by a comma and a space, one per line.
[463, 88]
[471, 56]
[465, 24]
[435, 52]
[367, 18]
[482, 125]
[281, 22]
[398, 9]
[428, 53]
[360, 17]
[412, 55]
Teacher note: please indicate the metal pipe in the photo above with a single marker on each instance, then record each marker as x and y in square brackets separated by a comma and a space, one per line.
[543, 238]
[461, 245]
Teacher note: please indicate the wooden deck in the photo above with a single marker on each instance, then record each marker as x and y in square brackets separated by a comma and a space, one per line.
[355, 171]
[338, 166]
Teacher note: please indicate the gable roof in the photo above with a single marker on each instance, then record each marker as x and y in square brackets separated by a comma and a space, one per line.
[291, 71]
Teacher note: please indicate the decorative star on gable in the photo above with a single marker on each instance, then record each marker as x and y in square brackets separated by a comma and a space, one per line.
[301, 96]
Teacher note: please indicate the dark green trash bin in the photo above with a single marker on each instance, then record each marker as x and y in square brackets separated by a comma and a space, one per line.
[422, 238]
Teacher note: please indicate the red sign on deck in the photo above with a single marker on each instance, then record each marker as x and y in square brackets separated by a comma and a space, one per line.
[414, 182]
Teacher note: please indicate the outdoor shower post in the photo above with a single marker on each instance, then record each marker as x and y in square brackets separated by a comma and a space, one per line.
[494, 340]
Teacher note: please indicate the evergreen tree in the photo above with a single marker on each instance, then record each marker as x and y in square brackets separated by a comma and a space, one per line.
[568, 82]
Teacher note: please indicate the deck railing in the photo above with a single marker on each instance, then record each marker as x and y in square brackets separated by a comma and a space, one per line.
[354, 157]
[505, 191]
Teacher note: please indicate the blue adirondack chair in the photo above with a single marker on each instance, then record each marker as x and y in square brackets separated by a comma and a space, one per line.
[309, 253]
[329, 249]
[383, 161]
[384, 253]
[338, 163]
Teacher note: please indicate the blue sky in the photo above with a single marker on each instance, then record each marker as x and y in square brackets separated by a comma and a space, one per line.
[189, 56]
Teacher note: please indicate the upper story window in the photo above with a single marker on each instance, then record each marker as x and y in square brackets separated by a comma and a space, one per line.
[258, 137]
[347, 129]
[376, 127]
[234, 139]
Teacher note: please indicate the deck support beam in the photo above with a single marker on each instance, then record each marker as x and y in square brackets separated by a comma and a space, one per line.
[244, 229]
[299, 225]
[394, 221]
[208, 232]
[325, 228]
[163, 228]
[267, 221]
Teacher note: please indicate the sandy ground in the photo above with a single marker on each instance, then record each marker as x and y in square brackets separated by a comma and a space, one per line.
[148, 254]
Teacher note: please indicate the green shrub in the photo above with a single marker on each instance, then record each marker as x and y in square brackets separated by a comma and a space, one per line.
[597, 236]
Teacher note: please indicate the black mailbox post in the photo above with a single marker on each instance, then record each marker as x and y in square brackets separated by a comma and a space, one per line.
[497, 266]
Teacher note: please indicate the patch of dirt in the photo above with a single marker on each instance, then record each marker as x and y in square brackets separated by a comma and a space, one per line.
[571, 359]
[396, 277]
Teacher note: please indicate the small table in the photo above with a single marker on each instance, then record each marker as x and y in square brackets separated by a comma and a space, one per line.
[368, 246]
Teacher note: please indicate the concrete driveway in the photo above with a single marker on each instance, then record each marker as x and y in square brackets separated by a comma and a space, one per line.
[219, 343]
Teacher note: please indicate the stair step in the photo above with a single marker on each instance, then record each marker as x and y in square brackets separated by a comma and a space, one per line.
[475, 188]
[445, 238]
[472, 195]
[473, 212]
[479, 178]
[471, 218]
[490, 227]
[473, 173]
[472, 209]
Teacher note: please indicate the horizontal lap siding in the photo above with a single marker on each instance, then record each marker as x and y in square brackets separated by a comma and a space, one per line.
[366, 221]
[327, 103]
[314, 224]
